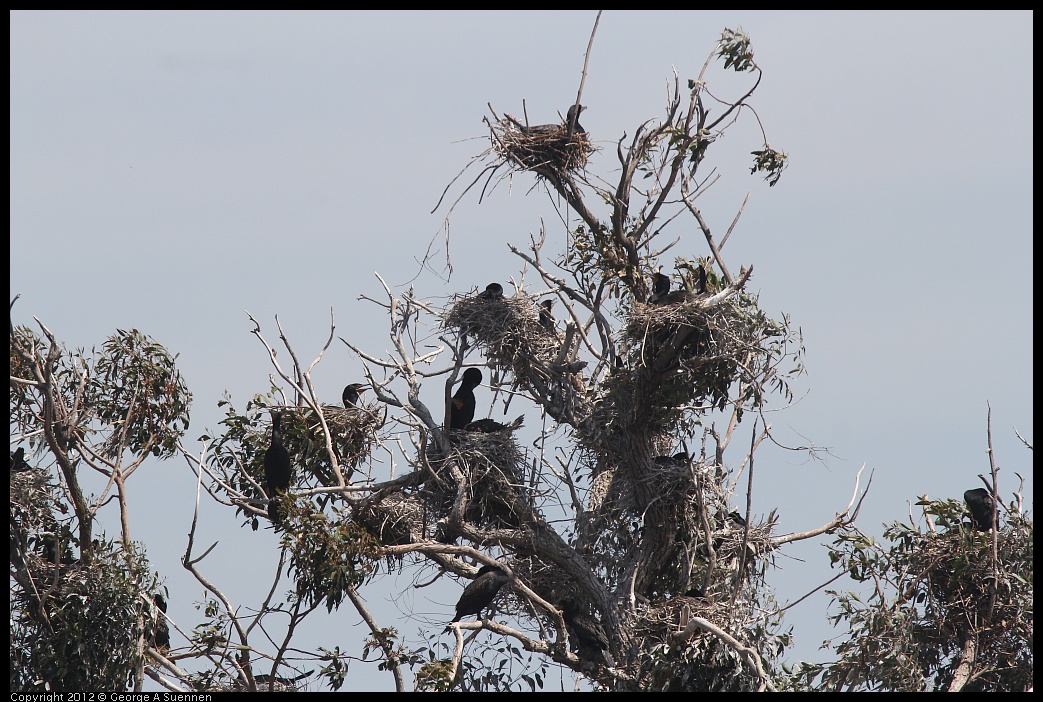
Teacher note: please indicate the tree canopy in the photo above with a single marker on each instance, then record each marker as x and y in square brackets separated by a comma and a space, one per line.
[616, 540]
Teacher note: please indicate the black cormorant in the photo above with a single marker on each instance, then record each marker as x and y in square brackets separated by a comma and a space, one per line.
[276, 469]
[491, 425]
[680, 458]
[546, 317]
[981, 504]
[700, 283]
[572, 118]
[586, 631]
[737, 519]
[660, 287]
[480, 592]
[162, 629]
[18, 463]
[350, 396]
[461, 407]
[493, 291]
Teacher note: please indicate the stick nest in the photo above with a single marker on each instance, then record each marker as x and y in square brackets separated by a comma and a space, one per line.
[486, 470]
[546, 150]
[509, 332]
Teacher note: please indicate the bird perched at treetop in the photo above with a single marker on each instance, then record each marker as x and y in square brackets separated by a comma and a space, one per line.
[481, 591]
[350, 396]
[981, 504]
[277, 470]
[461, 407]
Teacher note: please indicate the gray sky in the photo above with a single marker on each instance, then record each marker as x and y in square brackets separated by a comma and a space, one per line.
[170, 171]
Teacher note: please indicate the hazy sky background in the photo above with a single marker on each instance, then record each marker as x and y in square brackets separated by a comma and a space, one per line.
[172, 170]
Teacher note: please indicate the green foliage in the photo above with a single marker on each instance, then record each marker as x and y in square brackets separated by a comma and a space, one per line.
[735, 50]
[85, 632]
[496, 665]
[940, 612]
[770, 162]
[328, 556]
[137, 391]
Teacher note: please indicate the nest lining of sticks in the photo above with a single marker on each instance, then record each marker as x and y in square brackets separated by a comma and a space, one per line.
[353, 433]
[693, 351]
[492, 466]
[509, 332]
[546, 150]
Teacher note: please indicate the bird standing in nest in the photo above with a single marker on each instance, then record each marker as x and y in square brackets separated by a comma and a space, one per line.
[18, 463]
[350, 396]
[493, 291]
[572, 119]
[546, 316]
[489, 426]
[277, 470]
[660, 287]
[480, 592]
[461, 407]
[982, 505]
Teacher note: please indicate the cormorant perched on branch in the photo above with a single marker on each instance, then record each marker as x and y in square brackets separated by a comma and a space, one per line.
[737, 519]
[546, 316]
[276, 469]
[981, 504]
[586, 631]
[491, 425]
[481, 591]
[572, 118]
[162, 629]
[677, 459]
[493, 291]
[350, 396]
[660, 287]
[461, 407]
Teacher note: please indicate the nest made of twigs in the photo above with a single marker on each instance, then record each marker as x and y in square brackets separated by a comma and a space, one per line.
[546, 150]
[509, 332]
[396, 519]
[491, 464]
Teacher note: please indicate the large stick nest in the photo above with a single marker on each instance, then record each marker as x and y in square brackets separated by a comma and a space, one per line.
[509, 332]
[546, 149]
[353, 433]
[486, 470]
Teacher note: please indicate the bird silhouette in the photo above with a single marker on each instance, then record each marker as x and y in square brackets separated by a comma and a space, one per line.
[461, 407]
[350, 396]
[481, 591]
[700, 282]
[981, 504]
[586, 631]
[737, 519]
[546, 316]
[493, 291]
[18, 463]
[572, 118]
[660, 287]
[161, 632]
[276, 469]
[491, 425]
